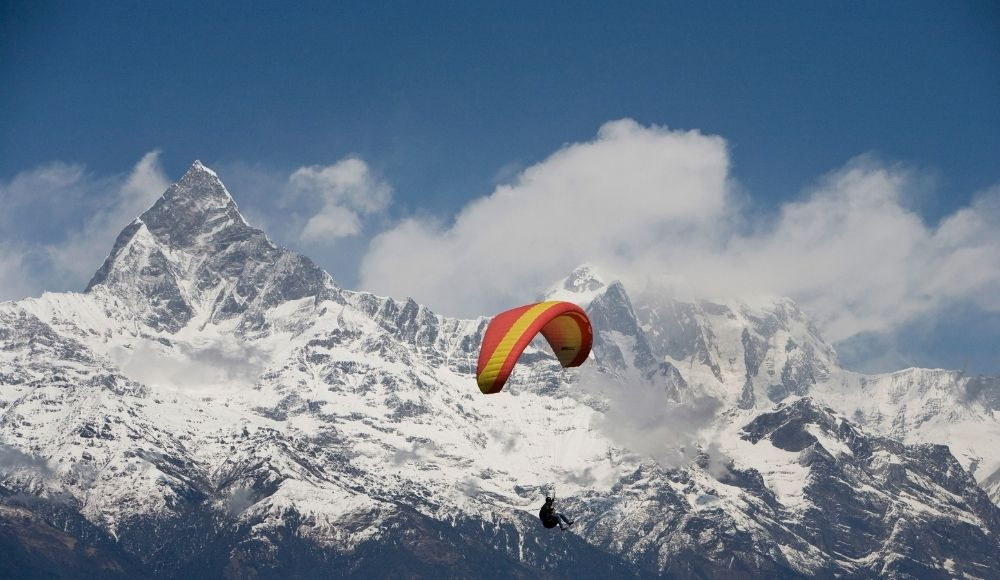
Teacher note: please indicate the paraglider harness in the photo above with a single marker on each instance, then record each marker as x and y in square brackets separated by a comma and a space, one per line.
[550, 518]
[548, 513]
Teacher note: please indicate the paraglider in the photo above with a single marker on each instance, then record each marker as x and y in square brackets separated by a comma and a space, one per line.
[567, 329]
[550, 517]
[563, 324]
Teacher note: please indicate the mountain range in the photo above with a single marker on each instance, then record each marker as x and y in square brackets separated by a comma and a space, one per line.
[213, 405]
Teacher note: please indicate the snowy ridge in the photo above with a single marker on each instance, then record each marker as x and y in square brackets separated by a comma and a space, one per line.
[221, 398]
[581, 286]
[752, 357]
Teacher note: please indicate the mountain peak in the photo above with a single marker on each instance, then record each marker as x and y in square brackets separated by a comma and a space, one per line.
[580, 287]
[197, 205]
[200, 188]
[583, 279]
[200, 167]
[193, 252]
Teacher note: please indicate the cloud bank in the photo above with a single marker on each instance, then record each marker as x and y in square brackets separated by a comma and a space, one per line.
[657, 208]
[653, 206]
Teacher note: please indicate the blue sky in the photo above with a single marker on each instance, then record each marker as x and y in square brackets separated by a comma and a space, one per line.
[439, 105]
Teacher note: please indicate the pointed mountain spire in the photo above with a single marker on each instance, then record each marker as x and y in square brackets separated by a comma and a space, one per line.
[197, 204]
[581, 286]
[193, 252]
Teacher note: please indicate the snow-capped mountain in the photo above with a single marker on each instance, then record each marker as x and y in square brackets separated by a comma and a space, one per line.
[215, 405]
[753, 356]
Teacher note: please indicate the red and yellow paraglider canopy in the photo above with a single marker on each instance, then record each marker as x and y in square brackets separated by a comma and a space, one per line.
[563, 324]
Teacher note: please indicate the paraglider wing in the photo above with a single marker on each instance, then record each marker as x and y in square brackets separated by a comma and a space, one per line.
[563, 324]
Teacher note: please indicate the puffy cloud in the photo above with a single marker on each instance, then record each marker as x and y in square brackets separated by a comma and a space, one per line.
[347, 191]
[969, 244]
[238, 501]
[855, 256]
[609, 197]
[648, 422]
[326, 212]
[59, 222]
[143, 186]
[653, 206]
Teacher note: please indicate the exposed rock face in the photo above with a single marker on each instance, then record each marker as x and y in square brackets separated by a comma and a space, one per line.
[621, 342]
[863, 492]
[192, 254]
[215, 406]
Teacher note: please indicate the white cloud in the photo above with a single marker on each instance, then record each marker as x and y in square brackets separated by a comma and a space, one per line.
[44, 180]
[83, 251]
[969, 240]
[333, 222]
[13, 283]
[59, 222]
[648, 422]
[143, 187]
[647, 203]
[610, 197]
[13, 460]
[347, 191]
[226, 363]
[855, 257]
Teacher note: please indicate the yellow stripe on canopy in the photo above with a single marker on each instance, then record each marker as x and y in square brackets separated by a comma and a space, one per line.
[503, 350]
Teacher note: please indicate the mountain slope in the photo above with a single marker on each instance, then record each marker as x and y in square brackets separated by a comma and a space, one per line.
[752, 356]
[214, 404]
